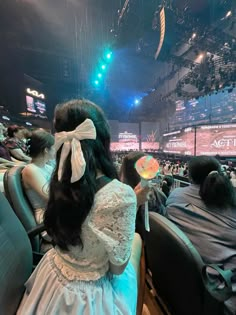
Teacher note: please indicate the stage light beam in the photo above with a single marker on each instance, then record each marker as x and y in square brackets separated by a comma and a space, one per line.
[108, 55]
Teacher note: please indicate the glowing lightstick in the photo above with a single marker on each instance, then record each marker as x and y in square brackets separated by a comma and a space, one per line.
[147, 167]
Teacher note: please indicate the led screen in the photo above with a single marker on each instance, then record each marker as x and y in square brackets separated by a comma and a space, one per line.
[149, 136]
[35, 107]
[40, 107]
[179, 142]
[216, 140]
[30, 104]
[127, 137]
[217, 108]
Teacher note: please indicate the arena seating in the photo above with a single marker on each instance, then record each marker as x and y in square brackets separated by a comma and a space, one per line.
[16, 258]
[15, 194]
[177, 271]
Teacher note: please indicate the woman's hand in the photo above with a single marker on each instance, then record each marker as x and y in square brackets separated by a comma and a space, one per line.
[141, 194]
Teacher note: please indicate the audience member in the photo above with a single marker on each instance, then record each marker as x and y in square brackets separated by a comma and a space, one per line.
[167, 184]
[92, 229]
[36, 175]
[233, 177]
[156, 199]
[206, 212]
[15, 144]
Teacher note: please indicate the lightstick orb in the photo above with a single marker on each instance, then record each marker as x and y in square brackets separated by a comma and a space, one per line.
[147, 167]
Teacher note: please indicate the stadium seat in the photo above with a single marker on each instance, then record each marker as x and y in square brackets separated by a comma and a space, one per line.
[178, 272]
[15, 194]
[16, 258]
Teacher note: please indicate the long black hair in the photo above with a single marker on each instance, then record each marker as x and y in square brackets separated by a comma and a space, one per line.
[216, 189]
[167, 183]
[70, 203]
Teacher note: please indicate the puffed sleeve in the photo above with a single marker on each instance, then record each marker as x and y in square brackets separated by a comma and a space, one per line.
[113, 222]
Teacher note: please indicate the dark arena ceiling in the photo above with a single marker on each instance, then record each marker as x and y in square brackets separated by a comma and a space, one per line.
[61, 46]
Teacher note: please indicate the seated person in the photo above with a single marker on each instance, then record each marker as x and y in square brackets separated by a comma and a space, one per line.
[233, 177]
[206, 212]
[36, 175]
[4, 153]
[90, 269]
[167, 184]
[15, 144]
[5, 158]
[156, 198]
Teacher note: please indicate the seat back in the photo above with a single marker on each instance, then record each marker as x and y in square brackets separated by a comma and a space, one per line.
[14, 192]
[176, 268]
[15, 258]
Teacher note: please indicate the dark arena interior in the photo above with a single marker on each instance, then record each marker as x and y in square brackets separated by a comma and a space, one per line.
[118, 157]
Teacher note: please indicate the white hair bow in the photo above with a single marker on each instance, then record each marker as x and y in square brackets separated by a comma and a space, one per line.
[71, 142]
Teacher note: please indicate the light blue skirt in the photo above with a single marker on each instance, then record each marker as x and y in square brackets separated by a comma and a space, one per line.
[47, 294]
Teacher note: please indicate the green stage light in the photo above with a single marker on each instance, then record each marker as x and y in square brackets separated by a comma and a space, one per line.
[108, 55]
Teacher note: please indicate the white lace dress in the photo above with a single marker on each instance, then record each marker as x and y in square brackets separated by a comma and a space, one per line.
[78, 282]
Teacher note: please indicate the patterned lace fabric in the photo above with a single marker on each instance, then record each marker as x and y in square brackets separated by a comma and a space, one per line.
[107, 236]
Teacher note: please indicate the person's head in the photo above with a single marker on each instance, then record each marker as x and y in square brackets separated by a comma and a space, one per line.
[15, 131]
[41, 145]
[167, 183]
[70, 203]
[216, 189]
[128, 173]
[26, 133]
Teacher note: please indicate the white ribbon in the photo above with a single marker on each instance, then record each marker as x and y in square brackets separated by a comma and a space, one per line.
[71, 142]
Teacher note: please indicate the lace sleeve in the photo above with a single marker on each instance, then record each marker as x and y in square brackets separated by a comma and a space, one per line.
[114, 222]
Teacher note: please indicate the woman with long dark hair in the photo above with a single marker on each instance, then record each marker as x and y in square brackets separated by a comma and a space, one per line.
[91, 220]
[36, 175]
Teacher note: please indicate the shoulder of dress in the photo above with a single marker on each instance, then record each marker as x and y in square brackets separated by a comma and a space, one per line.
[116, 192]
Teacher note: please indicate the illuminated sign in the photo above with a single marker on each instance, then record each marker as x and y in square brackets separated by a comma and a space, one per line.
[35, 93]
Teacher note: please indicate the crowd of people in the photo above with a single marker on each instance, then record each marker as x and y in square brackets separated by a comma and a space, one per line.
[92, 204]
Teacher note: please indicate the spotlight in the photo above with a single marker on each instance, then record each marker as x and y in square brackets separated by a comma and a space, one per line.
[103, 67]
[99, 75]
[136, 102]
[96, 82]
[194, 35]
[228, 14]
[108, 55]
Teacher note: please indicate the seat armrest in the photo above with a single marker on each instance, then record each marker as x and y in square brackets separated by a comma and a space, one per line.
[36, 258]
[36, 230]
